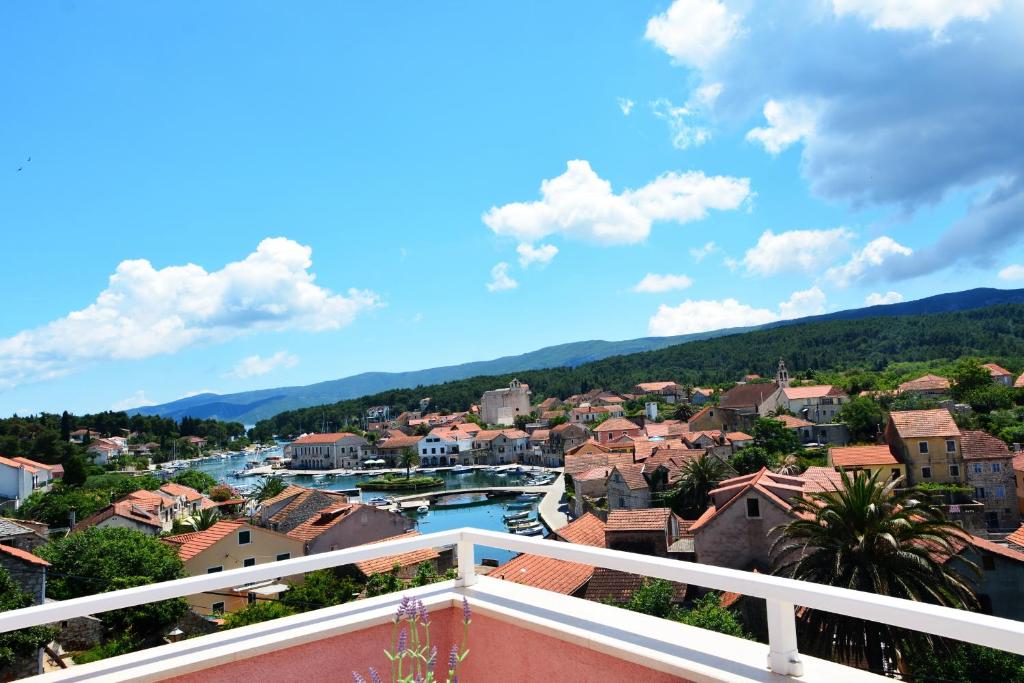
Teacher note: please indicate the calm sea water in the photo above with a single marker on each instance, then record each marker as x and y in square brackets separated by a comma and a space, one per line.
[486, 516]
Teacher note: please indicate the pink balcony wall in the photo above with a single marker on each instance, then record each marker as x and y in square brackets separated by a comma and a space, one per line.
[499, 651]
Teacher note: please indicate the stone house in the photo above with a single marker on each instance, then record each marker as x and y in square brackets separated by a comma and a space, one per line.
[647, 532]
[926, 385]
[340, 450]
[29, 573]
[500, 446]
[22, 534]
[294, 505]
[875, 459]
[1000, 375]
[988, 464]
[391, 448]
[669, 392]
[566, 436]
[818, 403]
[615, 428]
[348, 524]
[628, 488]
[502, 406]
[928, 443]
[1000, 582]
[1018, 473]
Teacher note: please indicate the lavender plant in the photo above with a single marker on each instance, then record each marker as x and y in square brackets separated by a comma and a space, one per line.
[413, 657]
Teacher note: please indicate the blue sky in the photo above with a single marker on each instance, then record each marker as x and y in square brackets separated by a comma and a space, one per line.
[347, 181]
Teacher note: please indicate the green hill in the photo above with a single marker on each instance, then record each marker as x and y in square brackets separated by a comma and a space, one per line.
[854, 348]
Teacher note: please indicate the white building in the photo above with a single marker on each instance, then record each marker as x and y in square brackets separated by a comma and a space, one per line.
[501, 406]
[449, 445]
[340, 450]
[18, 480]
[818, 404]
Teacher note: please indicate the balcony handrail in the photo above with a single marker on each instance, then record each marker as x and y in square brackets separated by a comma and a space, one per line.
[781, 594]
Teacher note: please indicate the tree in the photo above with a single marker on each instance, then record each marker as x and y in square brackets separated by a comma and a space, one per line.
[204, 519]
[23, 642]
[707, 613]
[863, 417]
[74, 471]
[967, 376]
[871, 537]
[408, 459]
[654, 597]
[257, 612]
[321, 588]
[383, 583]
[698, 477]
[267, 488]
[966, 663]
[102, 559]
[775, 437]
[54, 507]
[684, 411]
[221, 493]
[65, 426]
[196, 479]
[751, 459]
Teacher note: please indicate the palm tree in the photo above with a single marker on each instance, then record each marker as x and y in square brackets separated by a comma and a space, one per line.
[268, 487]
[871, 537]
[204, 519]
[684, 411]
[408, 459]
[698, 477]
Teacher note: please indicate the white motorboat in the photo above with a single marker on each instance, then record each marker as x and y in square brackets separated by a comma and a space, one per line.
[423, 509]
[461, 469]
[534, 530]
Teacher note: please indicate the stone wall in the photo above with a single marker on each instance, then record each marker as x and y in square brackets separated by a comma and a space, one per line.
[734, 540]
[80, 633]
[31, 578]
[1005, 508]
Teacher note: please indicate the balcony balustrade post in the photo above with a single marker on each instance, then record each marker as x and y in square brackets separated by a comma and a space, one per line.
[783, 656]
[467, 565]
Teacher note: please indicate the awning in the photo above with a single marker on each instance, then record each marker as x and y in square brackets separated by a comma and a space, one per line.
[265, 588]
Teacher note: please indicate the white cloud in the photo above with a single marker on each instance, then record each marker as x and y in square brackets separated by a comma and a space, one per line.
[253, 366]
[878, 299]
[197, 392]
[1012, 272]
[579, 204]
[868, 261]
[530, 254]
[136, 400]
[500, 279]
[625, 105]
[653, 283]
[145, 312]
[701, 316]
[804, 250]
[788, 122]
[684, 134]
[694, 32]
[701, 253]
[915, 14]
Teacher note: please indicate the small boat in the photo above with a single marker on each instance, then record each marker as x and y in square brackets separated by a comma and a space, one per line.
[502, 474]
[423, 509]
[516, 515]
[527, 497]
[319, 476]
[492, 468]
[378, 501]
[461, 469]
[534, 530]
[520, 505]
[427, 470]
[522, 524]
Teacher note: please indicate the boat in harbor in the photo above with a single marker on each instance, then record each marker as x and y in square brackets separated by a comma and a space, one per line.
[534, 530]
[423, 509]
[520, 505]
[426, 470]
[528, 497]
[461, 469]
[253, 469]
[515, 516]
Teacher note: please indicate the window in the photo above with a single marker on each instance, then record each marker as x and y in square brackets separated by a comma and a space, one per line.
[977, 468]
[244, 537]
[895, 472]
[753, 508]
[926, 472]
[249, 562]
[251, 598]
[217, 608]
[283, 556]
[1000, 492]
[950, 446]
[954, 470]
[997, 467]
[922, 446]
[214, 570]
[979, 491]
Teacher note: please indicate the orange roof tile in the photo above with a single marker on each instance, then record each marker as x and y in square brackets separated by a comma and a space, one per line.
[412, 558]
[861, 456]
[289, 491]
[617, 586]
[37, 465]
[651, 519]
[647, 387]
[178, 490]
[593, 473]
[23, 555]
[587, 530]
[616, 424]
[925, 383]
[579, 462]
[633, 475]
[813, 391]
[977, 445]
[1018, 462]
[1017, 537]
[924, 423]
[191, 544]
[997, 370]
[818, 479]
[545, 573]
[792, 422]
[322, 521]
[322, 438]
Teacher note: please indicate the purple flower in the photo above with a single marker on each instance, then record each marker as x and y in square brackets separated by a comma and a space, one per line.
[404, 609]
[431, 662]
[424, 615]
[453, 658]
[357, 678]
[374, 676]
[403, 639]
[466, 612]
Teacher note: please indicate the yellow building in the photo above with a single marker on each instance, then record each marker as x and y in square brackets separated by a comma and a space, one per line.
[231, 545]
[928, 443]
[875, 459]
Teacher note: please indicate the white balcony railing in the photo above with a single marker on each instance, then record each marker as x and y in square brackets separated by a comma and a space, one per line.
[781, 595]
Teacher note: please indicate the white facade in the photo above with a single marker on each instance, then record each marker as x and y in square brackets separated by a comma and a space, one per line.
[328, 451]
[16, 482]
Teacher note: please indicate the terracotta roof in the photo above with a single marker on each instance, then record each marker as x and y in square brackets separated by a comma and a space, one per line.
[552, 414]
[792, 422]
[23, 555]
[997, 370]
[763, 481]
[633, 475]
[818, 479]
[666, 428]
[738, 436]
[288, 492]
[1019, 383]
[492, 434]
[400, 441]
[616, 424]
[412, 558]
[545, 573]
[611, 585]
[747, 395]
[1018, 462]
[178, 490]
[322, 438]
[650, 519]
[38, 465]
[587, 530]
[977, 445]
[322, 521]
[327, 499]
[861, 456]
[593, 473]
[997, 548]
[191, 544]
[924, 423]
[15, 464]
[812, 391]
[1017, 537]
[580, 462]
[926, 383]
[126, 508]
[540, 435]
[648, 387]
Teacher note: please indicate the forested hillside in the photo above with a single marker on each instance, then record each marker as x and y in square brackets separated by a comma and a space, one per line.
[868, 353]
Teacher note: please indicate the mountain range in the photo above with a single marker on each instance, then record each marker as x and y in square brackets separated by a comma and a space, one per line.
[250, 406]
